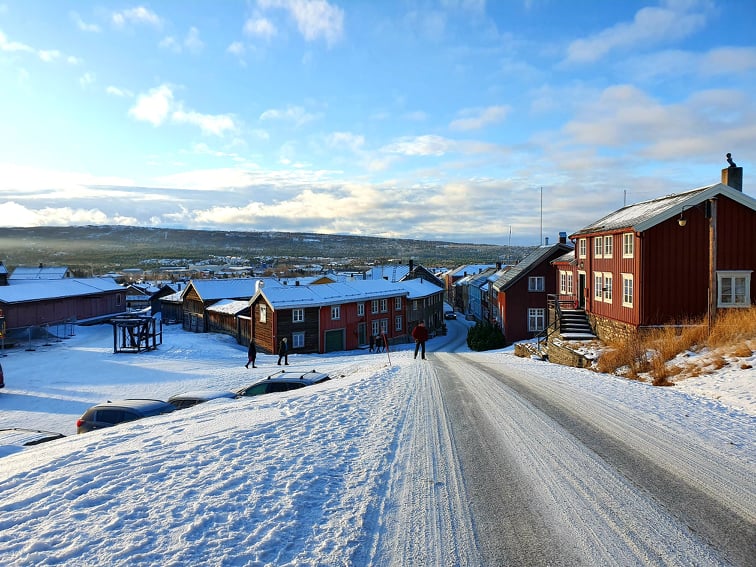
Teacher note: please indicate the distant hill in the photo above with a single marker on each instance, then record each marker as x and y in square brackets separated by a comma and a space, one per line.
[99, 249]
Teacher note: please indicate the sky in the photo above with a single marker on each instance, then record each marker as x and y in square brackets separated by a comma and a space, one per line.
[496, 122]
[317, 476]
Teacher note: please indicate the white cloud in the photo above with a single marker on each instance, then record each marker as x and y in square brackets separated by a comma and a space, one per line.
[236, 48]
[420, 146]
[192, 41]
[116, 91]
[82, 25]
[87, 79]
[49, 55]
[138, 15]
[153, 107]
[475, 119]
[315, 18]
[650, 26]
[352, 142]
[217, 124]
[295, 114]
[11, 46]
[260, 27]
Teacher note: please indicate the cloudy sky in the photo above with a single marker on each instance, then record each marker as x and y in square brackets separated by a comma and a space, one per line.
[462, 120]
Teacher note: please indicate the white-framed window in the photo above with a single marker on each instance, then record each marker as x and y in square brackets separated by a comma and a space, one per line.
[563, 282]
[582, 248]
[536, 319]
[608, 246]
[415, 304]
[297, 315]
[627, 290]
[360, 310]
[384, 305]
[375, 328]
[335, 312]
[536, 283]
[608, 281]
[598, 286]
[384, 326]
[374, 306]
[263, 313]
[628, 245]
[734, 289]
[598, 247]
[398, 323]
[570, 283]
[398, 303]
[297, 340]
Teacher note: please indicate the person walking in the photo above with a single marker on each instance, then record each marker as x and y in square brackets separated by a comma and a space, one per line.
[251, 354]
[283, 351]
[372, 343]
[420, 334]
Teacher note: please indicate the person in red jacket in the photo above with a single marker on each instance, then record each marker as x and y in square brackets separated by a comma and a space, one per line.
[420, 334]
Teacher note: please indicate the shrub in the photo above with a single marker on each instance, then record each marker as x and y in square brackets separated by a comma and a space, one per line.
[485, 336]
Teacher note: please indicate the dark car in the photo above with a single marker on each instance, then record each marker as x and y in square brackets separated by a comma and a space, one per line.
[15, 439]
[189, 399]
[283, 381]
[450, 315]
[110, 413]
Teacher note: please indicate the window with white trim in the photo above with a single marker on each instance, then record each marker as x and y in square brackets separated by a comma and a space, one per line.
[536, 283]
[627, 290]
[734, 289]
[608, 287]
[360, 310]
[263, 313]
[570, 283]
[374, 306]
[598, 247]
[536, 319]
[375, 328]
[598, 285]
[398, 303]
[297, 340]
[563, 282]
[384, 326]
[628, 245]
[608, 246]
[582, 248]
[384, 305]
[398, 323]
[335, 312]
[297, 315]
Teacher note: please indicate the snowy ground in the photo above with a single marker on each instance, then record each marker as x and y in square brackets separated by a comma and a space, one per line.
[284, 479]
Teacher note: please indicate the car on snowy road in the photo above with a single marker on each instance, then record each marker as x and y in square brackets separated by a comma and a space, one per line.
[283, 381]
[109, 413]
[189, 399]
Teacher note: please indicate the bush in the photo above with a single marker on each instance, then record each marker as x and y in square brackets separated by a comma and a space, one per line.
[485, 336]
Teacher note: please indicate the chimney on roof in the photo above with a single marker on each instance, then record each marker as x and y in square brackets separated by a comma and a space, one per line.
[733, 175]
[411, 264]
[259, 284]
[547, 241]
[562, 238]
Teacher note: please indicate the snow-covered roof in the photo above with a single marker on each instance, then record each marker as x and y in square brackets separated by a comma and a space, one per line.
[418, 288]
[470, 269]
[230, 306]
[56, 289]
[230, 288]
[287, 296]
[391, 272]
[514, 273]
[39, 273]
[642, 216]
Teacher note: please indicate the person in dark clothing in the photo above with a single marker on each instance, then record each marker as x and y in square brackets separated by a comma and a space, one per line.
[283, 351]
[372, 343]
[251, 354]
[420, 334]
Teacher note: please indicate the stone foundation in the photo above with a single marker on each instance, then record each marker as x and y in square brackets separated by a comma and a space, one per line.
[611, 331]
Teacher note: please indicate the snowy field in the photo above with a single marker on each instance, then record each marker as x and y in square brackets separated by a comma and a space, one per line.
[283, 479]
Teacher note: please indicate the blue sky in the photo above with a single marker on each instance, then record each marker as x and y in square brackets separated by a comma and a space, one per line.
[463, 120]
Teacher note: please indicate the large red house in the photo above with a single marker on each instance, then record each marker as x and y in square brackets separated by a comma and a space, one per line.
[664, 261]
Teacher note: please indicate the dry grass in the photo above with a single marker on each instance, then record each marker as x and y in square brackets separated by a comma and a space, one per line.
[732, 335]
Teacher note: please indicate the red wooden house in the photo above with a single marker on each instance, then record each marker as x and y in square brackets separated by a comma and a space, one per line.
[664, 261]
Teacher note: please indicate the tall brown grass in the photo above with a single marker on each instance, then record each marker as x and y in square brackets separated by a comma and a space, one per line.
[733, 333]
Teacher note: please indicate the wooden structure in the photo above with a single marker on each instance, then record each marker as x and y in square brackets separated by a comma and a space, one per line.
[136, 334]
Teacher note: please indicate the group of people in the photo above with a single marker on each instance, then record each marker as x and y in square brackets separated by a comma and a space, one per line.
[378, 343]
[283, 353]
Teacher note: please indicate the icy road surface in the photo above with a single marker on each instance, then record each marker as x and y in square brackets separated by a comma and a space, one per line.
[463, 459]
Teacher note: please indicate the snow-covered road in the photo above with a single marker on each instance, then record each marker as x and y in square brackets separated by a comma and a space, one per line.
[464, 459]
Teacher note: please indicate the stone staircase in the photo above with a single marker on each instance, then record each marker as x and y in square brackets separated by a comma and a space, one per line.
[574, 325]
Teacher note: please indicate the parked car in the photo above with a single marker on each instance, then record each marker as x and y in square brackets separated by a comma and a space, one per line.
[110, 413]
[283, 381]
[15, 439]
[450, 315]
[189, 399]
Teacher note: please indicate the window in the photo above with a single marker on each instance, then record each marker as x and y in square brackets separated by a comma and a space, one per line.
[536, 283]
[375, 328]
[384, 305]
[608, 288]
[598, 247]
[398, 303]
[563, 282]
[570, 283]
[384, 326]
[415, 305]
[628, 245]
[734, 289]
[398, 323]
[335, 312]
[360, 310]
[374, 306]
[263, 313]
[119, 298]
[536, 319]
[598, 285]
[297, 340]
[582, 248]
[608, 246]
[627, 290]
[297, 315]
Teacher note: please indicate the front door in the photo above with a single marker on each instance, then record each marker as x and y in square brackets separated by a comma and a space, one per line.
[361, 334]
[581, 291]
